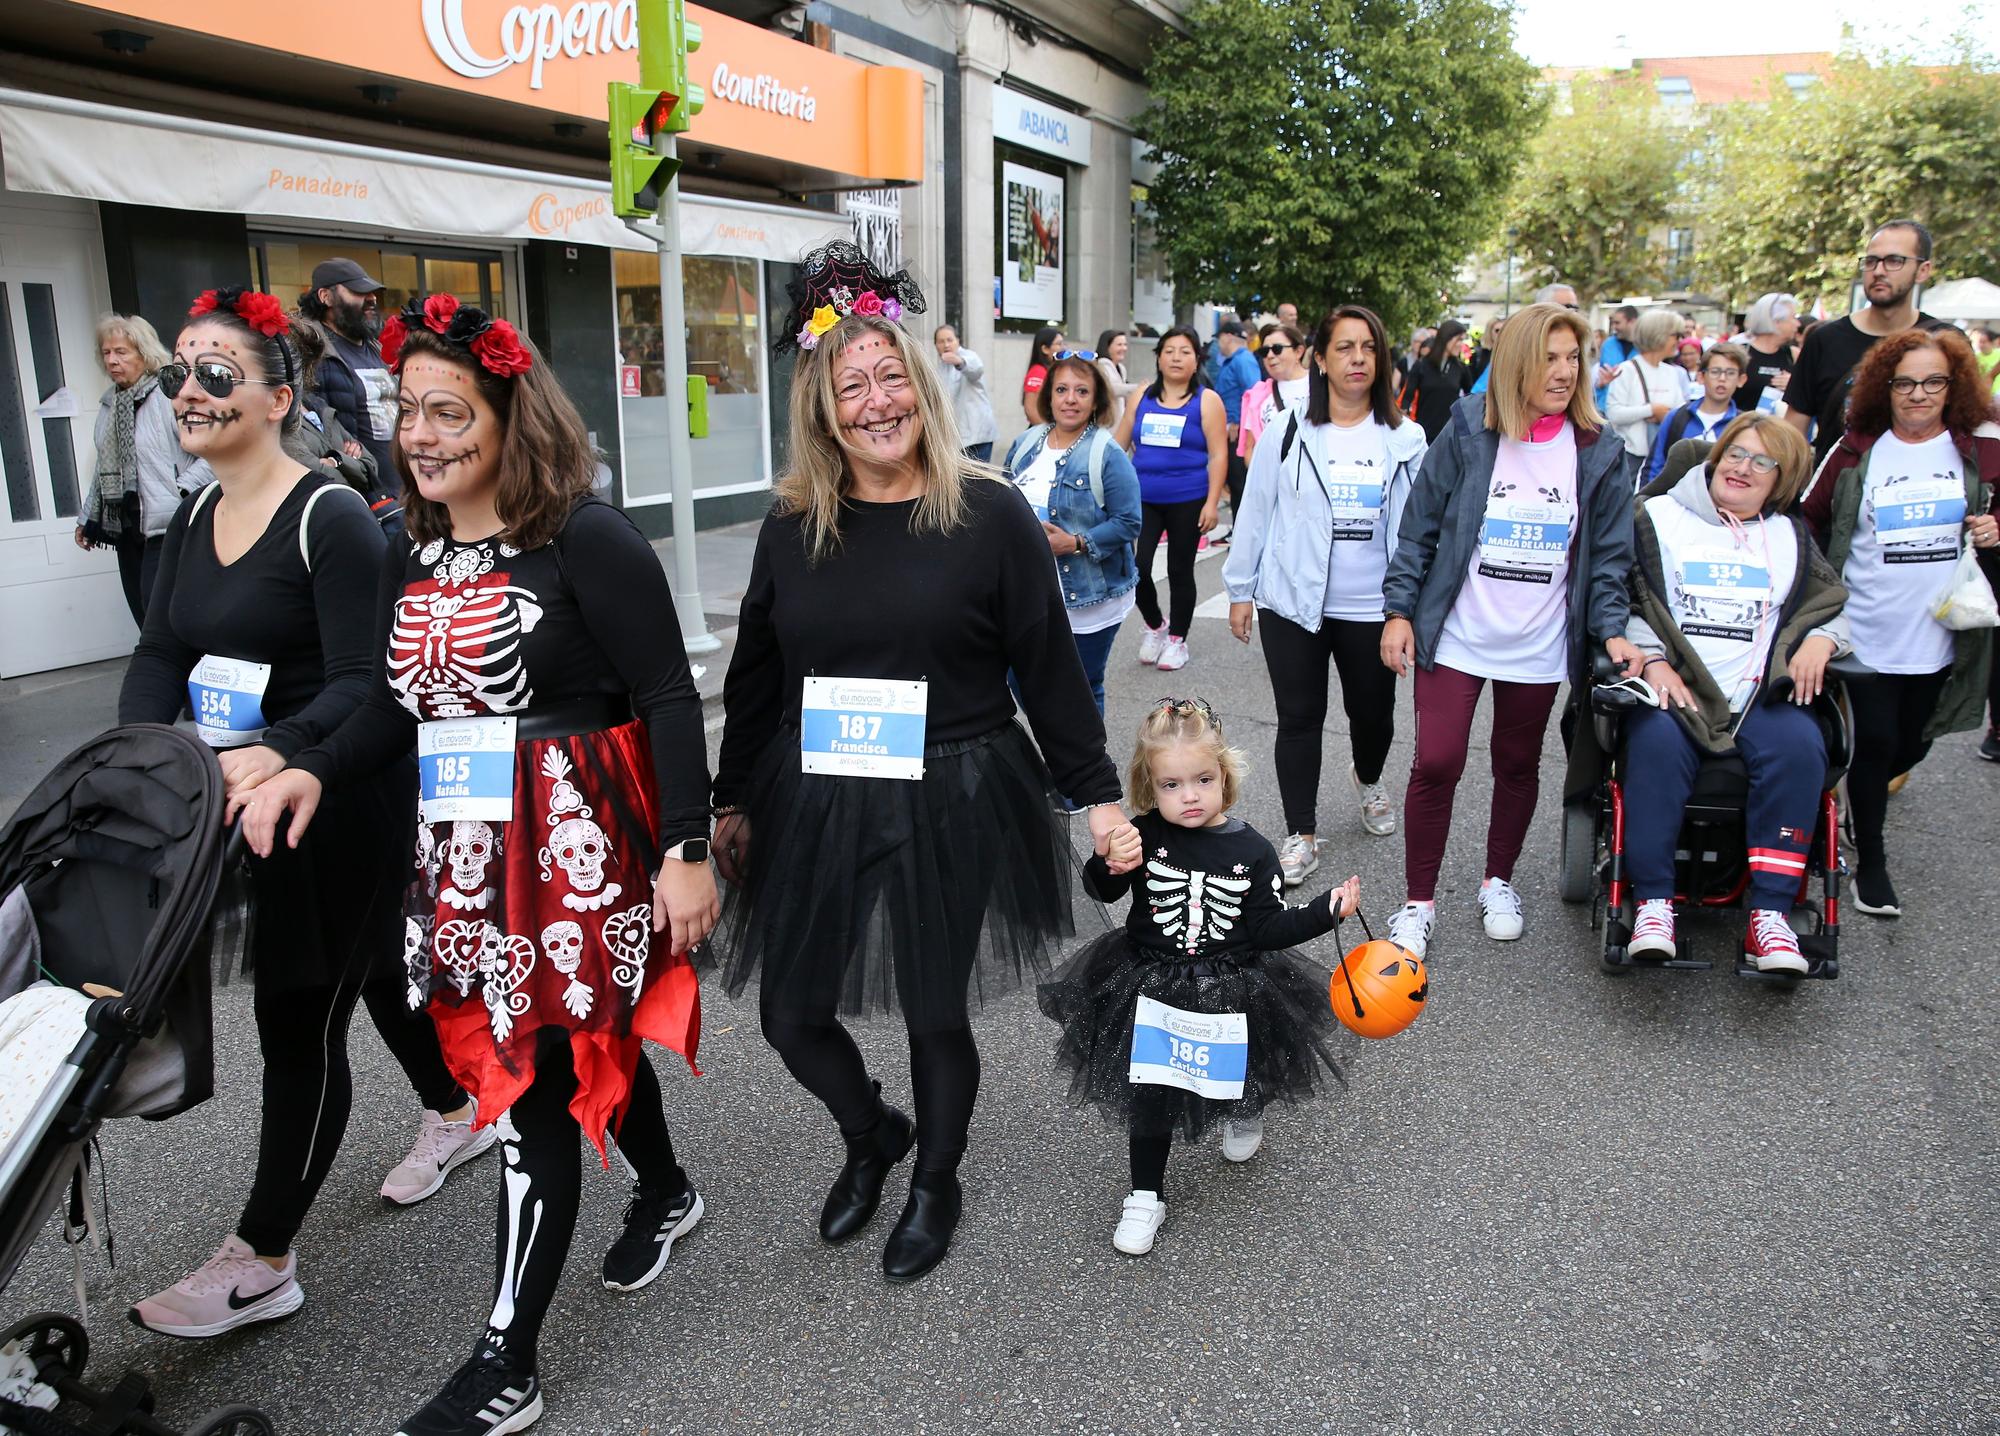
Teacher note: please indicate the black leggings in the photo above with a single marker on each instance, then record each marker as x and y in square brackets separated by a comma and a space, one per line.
[412, 1040]
[1182, 522]
[1890, 713]
[1152, 1138]
[944, 1077]
[1298, 663]
[541, 1186]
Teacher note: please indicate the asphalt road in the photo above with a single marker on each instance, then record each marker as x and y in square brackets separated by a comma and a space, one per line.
[1561, 1202]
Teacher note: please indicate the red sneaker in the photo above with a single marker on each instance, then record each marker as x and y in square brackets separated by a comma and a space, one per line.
[1653, 930]
[1771, 944]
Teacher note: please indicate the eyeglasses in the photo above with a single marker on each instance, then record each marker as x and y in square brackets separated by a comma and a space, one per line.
[1277, 348]
[1759, 463]
[217, 380]
[1716, 371]
[857, 388]
[1893, 263]
[1931, 384]
[1078, 354]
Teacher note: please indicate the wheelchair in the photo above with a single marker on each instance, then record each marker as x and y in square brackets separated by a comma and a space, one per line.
[1711, 859]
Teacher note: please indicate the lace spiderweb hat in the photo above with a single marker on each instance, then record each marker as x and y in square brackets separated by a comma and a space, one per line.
[837, 280]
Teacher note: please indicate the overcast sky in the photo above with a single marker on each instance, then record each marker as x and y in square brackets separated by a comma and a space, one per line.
[1587, 32]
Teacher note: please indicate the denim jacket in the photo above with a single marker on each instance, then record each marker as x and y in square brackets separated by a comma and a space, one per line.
[1282, 545]
[1105, 567]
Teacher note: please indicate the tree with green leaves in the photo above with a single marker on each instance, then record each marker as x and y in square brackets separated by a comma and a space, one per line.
[1793, 190]
[1602, 177]
[1333, 151]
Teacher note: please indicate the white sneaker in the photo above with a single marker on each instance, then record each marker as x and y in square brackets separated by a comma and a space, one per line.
[1144, 1213]
[1298, 859]
[1378, 814]
[441, 1148]
[1653, 929]
[1410, 927]
[1500, 909]
[1173, 654]
[1152, 643]
[231, 1289]
[1241, 1137]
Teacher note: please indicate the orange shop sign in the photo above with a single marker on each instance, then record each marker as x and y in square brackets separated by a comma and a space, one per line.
[767, 95]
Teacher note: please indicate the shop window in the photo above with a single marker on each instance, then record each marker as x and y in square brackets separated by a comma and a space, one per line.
[1030, 240]
[724, 304]
[283, 266]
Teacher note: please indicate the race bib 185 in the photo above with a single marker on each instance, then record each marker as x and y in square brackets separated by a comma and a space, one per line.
[465, 770]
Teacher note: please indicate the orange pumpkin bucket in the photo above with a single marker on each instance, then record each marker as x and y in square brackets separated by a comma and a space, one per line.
[1379, 987]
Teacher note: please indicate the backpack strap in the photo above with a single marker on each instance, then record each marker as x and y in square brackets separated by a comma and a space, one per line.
[305, 519]
[1038, 434]
[1100, 440]
[1291, 432]
[201, 497]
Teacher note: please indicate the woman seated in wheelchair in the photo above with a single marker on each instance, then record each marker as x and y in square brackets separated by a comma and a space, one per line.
[1730, 598]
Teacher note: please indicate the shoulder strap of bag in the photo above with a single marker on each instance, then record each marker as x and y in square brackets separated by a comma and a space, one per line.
[1291, 432]
[305, 519]
[1100, 440]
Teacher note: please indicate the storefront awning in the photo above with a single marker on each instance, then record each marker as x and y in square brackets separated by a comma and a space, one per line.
[51, 145]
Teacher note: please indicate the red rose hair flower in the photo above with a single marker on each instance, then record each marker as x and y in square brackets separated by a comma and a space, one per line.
[263, 313]
[204, 304]
[392, 341]
[500, 351]
[438, 312]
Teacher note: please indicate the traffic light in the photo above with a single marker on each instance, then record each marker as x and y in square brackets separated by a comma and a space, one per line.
[639, 177]
[666, 36]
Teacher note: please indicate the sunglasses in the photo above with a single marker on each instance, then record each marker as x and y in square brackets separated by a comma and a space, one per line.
[1277, 348]
[1086, 354]
[217, 380]
[1759, 463]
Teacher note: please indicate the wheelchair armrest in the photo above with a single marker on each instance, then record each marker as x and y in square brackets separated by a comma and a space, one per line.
[1849, 666]
[1605, 669]
[1610, 701]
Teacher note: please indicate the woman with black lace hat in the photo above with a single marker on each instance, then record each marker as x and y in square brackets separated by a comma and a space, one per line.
[907, 847]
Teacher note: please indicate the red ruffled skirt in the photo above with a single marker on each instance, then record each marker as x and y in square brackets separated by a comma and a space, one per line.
[547, 919]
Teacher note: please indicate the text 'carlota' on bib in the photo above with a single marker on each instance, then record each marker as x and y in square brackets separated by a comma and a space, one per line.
[863, 727]
[226, 696]
[465, 770]
[1206, 1053]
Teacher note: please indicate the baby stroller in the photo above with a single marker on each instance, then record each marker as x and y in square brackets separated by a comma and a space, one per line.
[1711, 860]
[107, 875]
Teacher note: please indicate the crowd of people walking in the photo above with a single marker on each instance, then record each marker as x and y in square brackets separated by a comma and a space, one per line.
[457, 724]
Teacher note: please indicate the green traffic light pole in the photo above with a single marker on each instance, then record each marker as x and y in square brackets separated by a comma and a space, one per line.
[660, 38]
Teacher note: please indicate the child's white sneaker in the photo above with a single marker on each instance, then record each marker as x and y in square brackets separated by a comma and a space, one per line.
[1140, 1222]
[1241, 1137]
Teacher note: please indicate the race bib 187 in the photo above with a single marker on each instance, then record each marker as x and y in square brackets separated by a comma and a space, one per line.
[1207, 1053]
[226, 696]
[465, 770]
[863, 727]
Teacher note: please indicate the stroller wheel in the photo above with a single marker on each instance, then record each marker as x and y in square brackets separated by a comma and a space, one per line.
[234, 1421]
[49, 1338]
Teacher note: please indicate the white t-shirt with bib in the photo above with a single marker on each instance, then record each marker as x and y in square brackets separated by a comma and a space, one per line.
[1511, 620]
[1726, 588]
[1036, 483]
[1906, 538]
[1354, 465]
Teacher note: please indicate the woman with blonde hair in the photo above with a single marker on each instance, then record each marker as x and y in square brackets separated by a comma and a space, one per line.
[907, 845]
[142, 472]
[1511, 564]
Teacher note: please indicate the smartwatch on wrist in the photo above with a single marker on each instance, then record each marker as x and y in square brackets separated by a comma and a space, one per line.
[690, 850]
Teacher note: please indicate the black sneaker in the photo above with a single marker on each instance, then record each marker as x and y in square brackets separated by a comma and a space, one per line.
[652, 1224]
[1874, 894]
[1990, 748]
[488, 1396]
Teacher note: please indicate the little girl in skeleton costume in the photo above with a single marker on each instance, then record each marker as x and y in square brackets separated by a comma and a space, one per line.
[1194, 1013]
[530, 630]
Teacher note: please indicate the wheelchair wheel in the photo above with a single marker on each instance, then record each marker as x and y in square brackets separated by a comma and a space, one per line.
[1577, 881]
[51, 1339]
[234, 1421]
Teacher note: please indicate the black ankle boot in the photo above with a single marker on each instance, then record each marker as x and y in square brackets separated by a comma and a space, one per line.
[923, 1233]
[857, 1191]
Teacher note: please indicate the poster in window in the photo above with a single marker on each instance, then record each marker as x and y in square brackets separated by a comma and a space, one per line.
[1031, 278]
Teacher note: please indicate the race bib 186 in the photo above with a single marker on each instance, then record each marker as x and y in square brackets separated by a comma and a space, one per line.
[863, 727]
[1207, 1053]
[226, 696]
[465, 770]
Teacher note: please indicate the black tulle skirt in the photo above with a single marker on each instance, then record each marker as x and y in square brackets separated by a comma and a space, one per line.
[1095, 997]
[875, 895]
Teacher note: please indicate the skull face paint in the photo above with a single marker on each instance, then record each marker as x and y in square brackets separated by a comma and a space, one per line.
[448, 431]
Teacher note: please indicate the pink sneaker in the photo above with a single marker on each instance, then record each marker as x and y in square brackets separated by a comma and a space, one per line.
[442, 1148]
[231, 1289]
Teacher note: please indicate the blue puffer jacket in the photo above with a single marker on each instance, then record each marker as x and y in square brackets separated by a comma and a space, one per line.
[1446, 509]
[1105, 568]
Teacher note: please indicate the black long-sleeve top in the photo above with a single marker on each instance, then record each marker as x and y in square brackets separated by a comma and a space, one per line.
[1207, 893]
[955, 609]
[310, 624]
[589, 614]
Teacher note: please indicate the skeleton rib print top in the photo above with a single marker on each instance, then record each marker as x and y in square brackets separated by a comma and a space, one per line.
[1207, 894]
[545, 918]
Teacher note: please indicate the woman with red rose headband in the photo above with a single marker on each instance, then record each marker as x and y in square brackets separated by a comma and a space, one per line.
[260, 620]
[526, 645]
